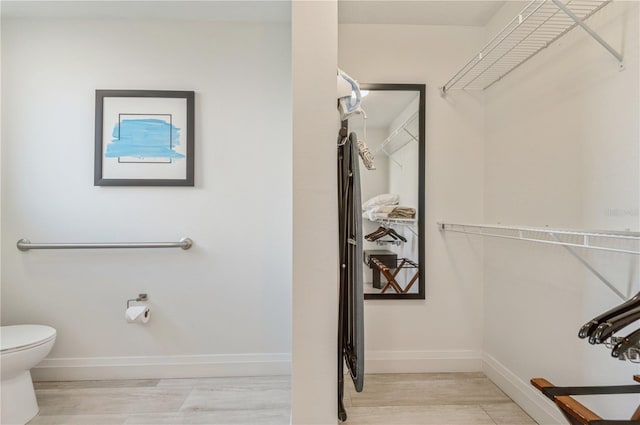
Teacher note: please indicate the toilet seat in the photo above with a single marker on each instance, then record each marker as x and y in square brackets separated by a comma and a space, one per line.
[23, 337]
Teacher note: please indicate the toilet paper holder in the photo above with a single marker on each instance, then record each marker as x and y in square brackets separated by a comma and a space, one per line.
[141, 298]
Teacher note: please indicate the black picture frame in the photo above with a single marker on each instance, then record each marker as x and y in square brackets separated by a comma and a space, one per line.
[186, 158]
[421, 88]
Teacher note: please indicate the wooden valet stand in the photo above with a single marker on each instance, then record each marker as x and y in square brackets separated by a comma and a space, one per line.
[577, 413]
[404, 263]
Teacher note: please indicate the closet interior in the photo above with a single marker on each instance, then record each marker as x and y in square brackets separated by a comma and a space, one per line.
[531, 199]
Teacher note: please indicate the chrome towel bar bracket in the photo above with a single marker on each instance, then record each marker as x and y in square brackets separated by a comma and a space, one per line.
[26, 245]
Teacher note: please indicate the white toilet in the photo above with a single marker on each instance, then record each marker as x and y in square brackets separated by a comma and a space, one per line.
[22, 347]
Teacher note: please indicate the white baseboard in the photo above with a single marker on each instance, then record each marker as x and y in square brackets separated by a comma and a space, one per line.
[199, 366]
[148, 367]
[423, 361]
[540, 408]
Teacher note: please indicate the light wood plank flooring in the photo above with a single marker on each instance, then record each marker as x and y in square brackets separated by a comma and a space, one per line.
[411, 399]
[431, 399]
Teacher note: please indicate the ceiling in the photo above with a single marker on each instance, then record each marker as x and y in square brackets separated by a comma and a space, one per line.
[424, 12]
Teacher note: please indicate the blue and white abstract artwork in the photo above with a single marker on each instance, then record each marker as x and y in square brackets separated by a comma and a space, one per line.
[144, 139]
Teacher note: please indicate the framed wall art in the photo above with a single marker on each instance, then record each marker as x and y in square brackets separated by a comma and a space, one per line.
[144, 138]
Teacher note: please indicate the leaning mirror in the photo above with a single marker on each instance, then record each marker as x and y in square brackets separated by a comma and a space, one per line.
[393, 193]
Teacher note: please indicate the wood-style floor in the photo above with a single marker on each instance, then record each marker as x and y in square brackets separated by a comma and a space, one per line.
[437, 399]
[431, 399]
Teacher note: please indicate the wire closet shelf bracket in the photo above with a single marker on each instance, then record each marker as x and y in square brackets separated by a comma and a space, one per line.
[538, 25]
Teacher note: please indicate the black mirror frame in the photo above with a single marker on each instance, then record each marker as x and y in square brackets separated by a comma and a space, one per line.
[421, 88]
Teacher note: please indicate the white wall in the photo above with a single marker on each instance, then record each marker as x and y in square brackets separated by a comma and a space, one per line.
[0, 162]
[315, 219]
[222, 307]
[562, 149]
[400, 334]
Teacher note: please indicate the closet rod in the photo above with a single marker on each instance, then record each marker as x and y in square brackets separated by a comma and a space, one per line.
[26, 245]
[528, 234]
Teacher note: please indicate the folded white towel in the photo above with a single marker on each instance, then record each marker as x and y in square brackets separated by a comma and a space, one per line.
[384, 199]
[374, 213]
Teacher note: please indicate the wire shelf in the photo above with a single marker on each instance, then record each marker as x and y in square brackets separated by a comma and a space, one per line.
[401, 221]
[538, 25]
[408, 222]
[612, 241]
[626, 242]
[408, 129]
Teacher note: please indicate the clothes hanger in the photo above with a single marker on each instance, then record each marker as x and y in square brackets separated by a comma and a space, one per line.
[588, 328]
[343, 135]
[372, 236]
[614, 324]
[399, 236]
[391, 233]
[628, 342]
[383, 231]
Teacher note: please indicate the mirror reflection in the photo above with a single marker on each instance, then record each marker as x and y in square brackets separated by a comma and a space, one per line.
[393, 192]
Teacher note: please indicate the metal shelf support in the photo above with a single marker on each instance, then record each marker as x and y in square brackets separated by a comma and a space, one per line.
[588, 29]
